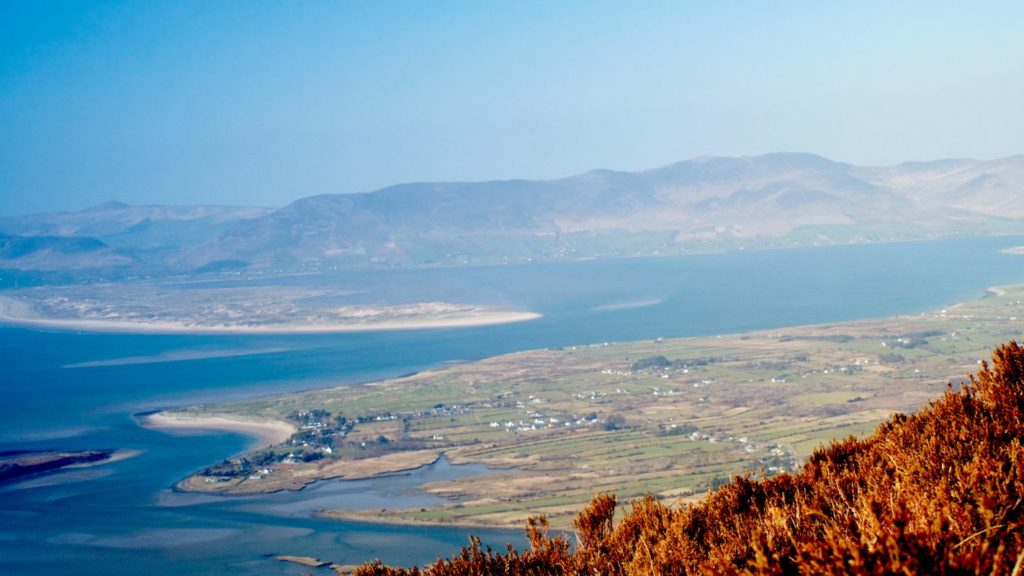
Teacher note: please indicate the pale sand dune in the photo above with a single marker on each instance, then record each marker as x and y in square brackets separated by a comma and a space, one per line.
[270, 432]
[20, 314]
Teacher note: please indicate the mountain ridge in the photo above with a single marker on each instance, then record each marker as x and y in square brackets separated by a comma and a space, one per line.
[702, 204]
[145, 236]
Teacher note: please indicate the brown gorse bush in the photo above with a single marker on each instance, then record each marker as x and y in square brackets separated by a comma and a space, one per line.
[939, 492]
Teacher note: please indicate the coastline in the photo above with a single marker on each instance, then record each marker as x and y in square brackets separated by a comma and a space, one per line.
[861, 394]
[376, 518]
[994, 291]
[18, 313]
[364, 469]
[269, 432]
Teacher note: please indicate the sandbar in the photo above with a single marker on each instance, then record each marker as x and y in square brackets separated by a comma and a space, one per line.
[269, 432]
[18, 313]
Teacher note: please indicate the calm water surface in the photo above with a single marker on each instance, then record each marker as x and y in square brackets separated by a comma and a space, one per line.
[80, 391]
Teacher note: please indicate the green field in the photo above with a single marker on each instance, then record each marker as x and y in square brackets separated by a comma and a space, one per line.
[669, 417]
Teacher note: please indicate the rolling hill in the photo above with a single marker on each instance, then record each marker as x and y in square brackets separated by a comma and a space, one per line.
[115, 235]
[703, 204]
[700, 204]
[51, 253]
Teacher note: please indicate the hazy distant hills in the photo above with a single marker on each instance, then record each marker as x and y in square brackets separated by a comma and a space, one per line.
[114, 235]
[694, 205]
[700, 204]
[52, 253]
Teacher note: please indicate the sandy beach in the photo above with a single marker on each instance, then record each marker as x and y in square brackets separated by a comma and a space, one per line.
[270, 432]
[18, 313]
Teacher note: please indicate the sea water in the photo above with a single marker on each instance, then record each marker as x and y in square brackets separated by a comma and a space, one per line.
[70, 391]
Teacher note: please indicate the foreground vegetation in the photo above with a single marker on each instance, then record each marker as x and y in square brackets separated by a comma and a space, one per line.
[938, 492]
[673, 418]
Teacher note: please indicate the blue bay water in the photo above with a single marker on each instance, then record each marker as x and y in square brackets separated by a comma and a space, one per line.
[61, 390]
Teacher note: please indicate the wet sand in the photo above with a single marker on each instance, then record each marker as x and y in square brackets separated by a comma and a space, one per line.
[269, 432]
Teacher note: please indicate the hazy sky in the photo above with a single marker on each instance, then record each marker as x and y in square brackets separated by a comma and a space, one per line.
[265, 102]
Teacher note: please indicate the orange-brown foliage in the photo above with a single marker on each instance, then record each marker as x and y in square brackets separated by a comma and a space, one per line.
[939, 492]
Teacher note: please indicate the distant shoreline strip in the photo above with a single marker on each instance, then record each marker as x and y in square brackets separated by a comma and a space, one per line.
[18, 313]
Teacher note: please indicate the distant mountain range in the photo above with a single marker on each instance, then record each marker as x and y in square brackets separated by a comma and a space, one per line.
[703, 204]
[114, 238]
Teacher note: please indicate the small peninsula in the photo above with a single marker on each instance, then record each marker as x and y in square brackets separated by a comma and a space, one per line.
[673, 417]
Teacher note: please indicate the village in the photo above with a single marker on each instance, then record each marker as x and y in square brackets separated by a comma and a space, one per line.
[325, 435]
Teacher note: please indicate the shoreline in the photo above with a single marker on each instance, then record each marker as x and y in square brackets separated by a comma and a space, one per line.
[268, 433]
[397, 518]
[375, 518]
[394, 464]
[18, 313]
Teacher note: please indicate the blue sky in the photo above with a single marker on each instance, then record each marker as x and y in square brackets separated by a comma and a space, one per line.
[265, 102]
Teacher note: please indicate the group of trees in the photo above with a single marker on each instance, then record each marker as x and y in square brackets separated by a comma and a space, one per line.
[938, 492]
[661, 363]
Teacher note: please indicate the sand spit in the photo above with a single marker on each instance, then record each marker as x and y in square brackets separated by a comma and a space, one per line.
[269, 432]
[20, 313]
